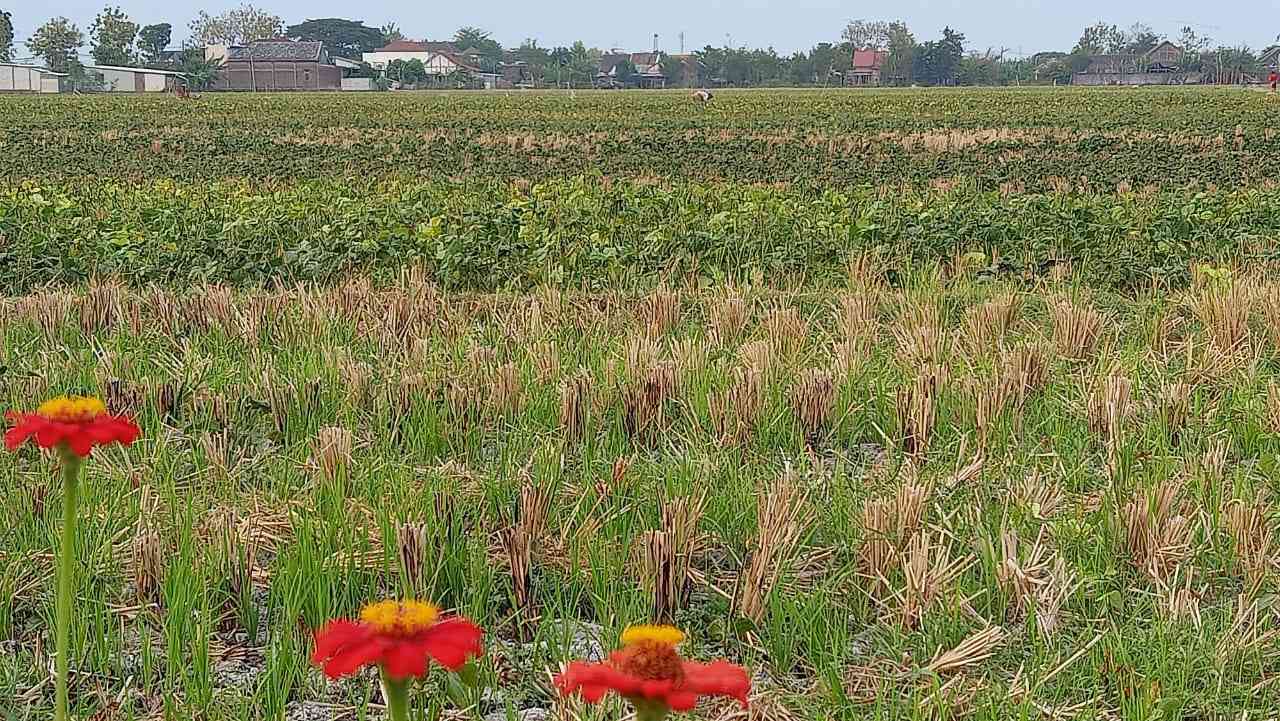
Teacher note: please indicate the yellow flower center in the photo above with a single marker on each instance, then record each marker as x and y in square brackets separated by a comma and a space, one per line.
[649, 652]
[650, 660]
[71, 409]
[399, 618]
[665, 635]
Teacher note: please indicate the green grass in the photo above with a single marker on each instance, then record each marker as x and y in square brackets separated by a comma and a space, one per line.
[255, 538]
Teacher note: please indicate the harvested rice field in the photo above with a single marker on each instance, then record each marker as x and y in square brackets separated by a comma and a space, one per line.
[985, 448]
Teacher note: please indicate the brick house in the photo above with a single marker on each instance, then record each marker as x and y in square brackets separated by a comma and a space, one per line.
[867, 65]
[276, 64]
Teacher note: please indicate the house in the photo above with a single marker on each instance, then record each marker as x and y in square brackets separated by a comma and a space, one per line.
[1166, 55]
[276, 64]
[116, 79]
[405, 50]
[648, 70]
[17, 78]
[442, 61]
[1161, 65]
[867, 65]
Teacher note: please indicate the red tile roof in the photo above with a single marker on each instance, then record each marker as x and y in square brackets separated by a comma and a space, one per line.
[869, 59]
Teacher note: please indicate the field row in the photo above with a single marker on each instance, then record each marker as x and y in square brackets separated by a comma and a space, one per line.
[1023, 139]
[951, 498]
[593, 232]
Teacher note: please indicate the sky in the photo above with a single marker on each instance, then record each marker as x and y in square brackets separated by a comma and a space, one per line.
[1020, 26]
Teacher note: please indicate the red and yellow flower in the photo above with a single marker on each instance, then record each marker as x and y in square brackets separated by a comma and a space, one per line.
[649, 672]
[75, 423]
[399, 637]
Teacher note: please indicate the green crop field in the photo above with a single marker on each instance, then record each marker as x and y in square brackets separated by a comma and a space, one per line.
[918, 404]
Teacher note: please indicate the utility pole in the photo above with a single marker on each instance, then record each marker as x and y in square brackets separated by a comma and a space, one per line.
[682, 42]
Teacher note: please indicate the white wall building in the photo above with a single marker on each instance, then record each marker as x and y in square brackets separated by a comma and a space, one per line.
[135, 80]
[15, 78]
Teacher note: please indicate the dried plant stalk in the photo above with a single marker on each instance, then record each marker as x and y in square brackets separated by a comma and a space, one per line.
[332, 454]
[1076, 329]
[735, 411]
[812, 399]
[660, 312]
[575, 403]
[987, 324]
[1223, 309]
[1157, 536]
[916, 410]
[782, 518]
[519, 539]
[970, 652]
[727, 318]
[667, 555]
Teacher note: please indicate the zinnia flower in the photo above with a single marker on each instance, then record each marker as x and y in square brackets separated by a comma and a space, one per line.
[74, 423]
[649, 672]
[399, 637]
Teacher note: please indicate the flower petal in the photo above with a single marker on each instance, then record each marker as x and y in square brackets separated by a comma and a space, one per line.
[405, 660]
[682, 700]
[593, 679]
[353, 657]
[333, 636]
[452, 642]
[24, 426]
[80, 444]
[718, 678]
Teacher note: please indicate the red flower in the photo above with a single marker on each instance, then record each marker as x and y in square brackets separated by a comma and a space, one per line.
[399, 637]
[648, 670]
[75, 423]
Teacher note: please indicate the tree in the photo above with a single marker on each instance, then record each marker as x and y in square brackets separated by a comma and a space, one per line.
[898, 66]
[81, 79]
[57, 42]
[1193, 46]
[1101, 39]
[6, 37]
[113, 34]
[864, 35]
[1140, 39]
[234, 27]
[199, 71]
[390, 33]
[937, 62]
[536, 59]
[624, 72]
[582, 63]
[152, 41]
[474, 39]
[342, 38]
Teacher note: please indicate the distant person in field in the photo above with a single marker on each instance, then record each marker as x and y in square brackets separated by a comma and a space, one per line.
[1273, 79]
[702, 96]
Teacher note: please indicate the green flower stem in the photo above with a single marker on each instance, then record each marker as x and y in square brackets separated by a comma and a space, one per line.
[396, 694]
[71, 464]
[650, 710]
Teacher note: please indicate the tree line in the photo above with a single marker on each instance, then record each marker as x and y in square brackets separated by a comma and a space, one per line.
[115, 39]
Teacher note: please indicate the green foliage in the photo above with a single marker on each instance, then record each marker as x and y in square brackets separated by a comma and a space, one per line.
[937, 62]
[341, 38]
[153, 40]
[473, 39]
[6, 36]
[236, 26]
[491, 237]
[57, 43]
[200, 72]
[112, 35]
[390, 33]
[624, 72]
